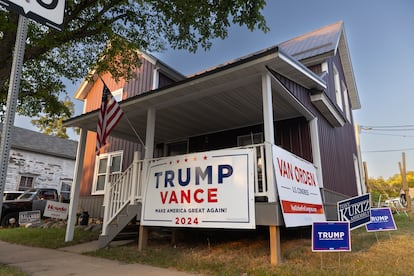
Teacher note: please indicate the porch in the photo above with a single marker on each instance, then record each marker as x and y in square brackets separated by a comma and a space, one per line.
[242, 94]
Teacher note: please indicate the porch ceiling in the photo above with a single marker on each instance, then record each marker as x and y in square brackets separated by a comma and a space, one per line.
[216, 100]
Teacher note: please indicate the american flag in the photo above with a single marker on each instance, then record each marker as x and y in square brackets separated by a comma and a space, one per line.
[109, 116]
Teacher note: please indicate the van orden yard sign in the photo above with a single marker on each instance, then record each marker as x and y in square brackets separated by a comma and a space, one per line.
[211, 189]
[298, 189]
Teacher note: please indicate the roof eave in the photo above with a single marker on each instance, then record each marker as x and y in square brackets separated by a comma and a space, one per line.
[348, 71]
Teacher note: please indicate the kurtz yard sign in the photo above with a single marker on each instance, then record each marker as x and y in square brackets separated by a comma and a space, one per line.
[356, 210]
[208, 189]
[47, 12]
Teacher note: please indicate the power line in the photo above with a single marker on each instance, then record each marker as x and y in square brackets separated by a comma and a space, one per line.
[390, 150]
[390, 126]
[387, 134]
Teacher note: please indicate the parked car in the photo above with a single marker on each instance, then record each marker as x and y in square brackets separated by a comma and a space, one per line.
[31, 200]
[11, 195]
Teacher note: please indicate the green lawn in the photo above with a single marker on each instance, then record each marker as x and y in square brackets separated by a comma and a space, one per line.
[221, 252]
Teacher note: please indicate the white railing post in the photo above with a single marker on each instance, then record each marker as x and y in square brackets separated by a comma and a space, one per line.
[106, 203]
[135, 182]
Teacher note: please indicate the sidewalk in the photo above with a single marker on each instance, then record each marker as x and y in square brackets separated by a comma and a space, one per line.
[69, 261]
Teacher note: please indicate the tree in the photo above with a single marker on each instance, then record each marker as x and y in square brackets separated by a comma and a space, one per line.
[53, 125]
[126, 26]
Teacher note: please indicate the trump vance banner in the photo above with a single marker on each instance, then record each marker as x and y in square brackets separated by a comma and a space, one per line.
[298, 189]
[212, 189]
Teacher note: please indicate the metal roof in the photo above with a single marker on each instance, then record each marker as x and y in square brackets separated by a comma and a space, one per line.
[29, 140]
[227, 96]
[317, 45]
[223, 98]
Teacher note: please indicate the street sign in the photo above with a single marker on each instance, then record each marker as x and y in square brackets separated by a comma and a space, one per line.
[47, 12]
[331, 236]
[381, 220]
[356, 210]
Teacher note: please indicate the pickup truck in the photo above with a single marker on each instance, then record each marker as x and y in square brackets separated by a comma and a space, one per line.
[31, 200]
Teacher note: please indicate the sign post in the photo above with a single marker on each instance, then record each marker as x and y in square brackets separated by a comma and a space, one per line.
[331, 236]
[49, 13]
[14, 87]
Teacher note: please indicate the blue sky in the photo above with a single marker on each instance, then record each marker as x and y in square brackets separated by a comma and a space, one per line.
[380, 37]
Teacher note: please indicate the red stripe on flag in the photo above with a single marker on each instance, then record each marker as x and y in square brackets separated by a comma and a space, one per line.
[108, 118]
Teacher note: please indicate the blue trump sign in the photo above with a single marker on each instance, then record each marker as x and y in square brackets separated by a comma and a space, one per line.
[381, 220]
[331, 236]
[355, 210]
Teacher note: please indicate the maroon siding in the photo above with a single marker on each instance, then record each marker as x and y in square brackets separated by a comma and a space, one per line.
[294, 136]
[143, 82]
[337, 145]
[163, 80]
[128, 148]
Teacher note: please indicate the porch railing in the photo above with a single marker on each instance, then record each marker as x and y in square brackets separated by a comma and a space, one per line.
[126, 188]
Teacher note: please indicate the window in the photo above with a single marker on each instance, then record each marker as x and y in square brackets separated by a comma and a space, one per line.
[337, 84]
[155, 79]
[65, 186]
[177, 148]
[26, 182]
[108, 167]
[251, 139]
[118, 94]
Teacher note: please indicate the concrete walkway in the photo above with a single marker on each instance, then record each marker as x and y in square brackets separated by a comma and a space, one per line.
[69, 261]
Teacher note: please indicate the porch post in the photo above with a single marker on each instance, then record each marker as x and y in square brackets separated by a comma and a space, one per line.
[316, 150]
[269, 135]
[149, 153]
[75, 189]
[275, 256]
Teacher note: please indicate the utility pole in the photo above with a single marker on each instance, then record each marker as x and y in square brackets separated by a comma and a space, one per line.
[403, 171]
[366, 181]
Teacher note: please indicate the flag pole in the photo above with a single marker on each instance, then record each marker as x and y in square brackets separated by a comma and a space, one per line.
[136, 133]
[129, 122]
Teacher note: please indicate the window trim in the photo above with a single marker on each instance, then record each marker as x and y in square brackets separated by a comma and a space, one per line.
[118, 94]
[346, 102]
[27, 176]
[337, 87]
[107, 155]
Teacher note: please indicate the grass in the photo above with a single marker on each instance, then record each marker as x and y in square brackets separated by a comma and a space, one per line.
[233, 253]
[223, 252]
[45, 237]
[6, 270]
